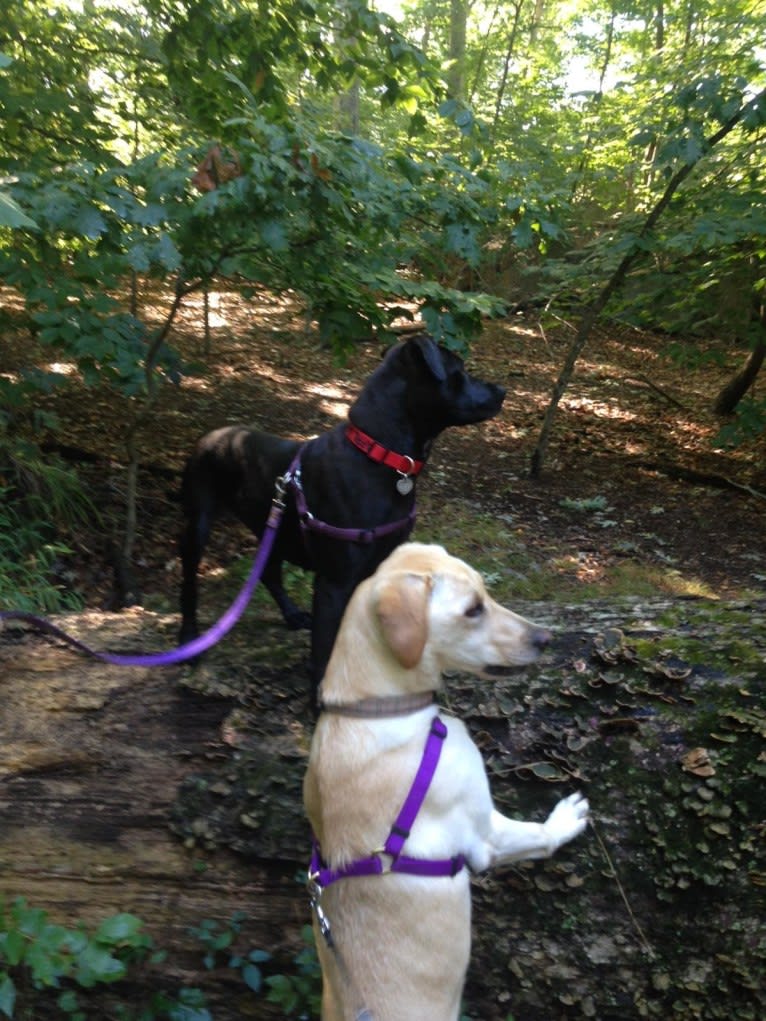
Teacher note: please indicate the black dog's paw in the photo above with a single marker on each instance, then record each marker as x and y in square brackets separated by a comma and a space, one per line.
[298, 620]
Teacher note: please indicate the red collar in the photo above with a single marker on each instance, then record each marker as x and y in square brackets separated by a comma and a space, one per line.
[402, 463]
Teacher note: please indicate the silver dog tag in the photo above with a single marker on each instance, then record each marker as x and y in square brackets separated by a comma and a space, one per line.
[404, 484]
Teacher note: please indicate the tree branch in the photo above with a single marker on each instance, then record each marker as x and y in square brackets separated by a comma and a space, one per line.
[615, 282]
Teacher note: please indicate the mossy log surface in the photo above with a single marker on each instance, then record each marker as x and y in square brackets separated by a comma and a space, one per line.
[175, 794]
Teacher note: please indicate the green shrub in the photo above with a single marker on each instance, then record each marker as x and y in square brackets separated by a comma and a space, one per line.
[40, 960]
[37, 953]
[37, 499]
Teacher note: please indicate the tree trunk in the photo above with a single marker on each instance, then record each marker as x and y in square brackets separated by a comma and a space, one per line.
[348, 110]
[125, 584]
[458, 23]
[347, 103]
[730, 396]
[595, 104]
[506, 66]
[479, 71]
[91, 759]
[537, 20]
[615, 282]
[659, 27]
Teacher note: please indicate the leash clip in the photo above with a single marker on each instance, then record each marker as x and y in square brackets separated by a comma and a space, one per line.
[292, 477]
[315, 894]
[281, 482]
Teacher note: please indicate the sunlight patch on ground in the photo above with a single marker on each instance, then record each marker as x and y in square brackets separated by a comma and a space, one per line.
[632, 447]
[332, 399]
[598, 576]
[697, 431]
[598, 408]
[196, 383]
[214, 317]
[63, 368]
[644, 351]
[533, 399]
[519, 328]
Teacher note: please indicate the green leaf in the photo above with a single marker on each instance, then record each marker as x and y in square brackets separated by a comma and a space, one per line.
[167, 254]
[523, 234]
[95, 964]
[138, 257]
[274, 235]
[13, 947]
[122, 928]
[68, 1001]
[252, 977]
[183, 1013]
[465, 120]
[11, 214]
[150, 215]
[7, 994]
[90, 223]
[190, 1007]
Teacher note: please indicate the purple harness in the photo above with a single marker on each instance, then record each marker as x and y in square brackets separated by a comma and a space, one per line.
[320, 876]
[311, 524]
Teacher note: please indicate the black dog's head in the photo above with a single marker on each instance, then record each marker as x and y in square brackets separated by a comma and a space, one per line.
[418, 390]
[440, 388]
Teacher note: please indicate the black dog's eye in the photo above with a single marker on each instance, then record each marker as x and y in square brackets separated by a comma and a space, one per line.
[476, 610]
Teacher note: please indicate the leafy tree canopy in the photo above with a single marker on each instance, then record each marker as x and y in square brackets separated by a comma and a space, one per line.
[379, 158]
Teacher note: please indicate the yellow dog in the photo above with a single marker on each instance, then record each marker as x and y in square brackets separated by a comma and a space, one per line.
[397, 793]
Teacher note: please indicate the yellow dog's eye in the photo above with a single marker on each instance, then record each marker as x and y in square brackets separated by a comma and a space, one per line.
[476, 610]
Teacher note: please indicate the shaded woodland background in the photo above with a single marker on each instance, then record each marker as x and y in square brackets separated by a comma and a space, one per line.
[212, 215]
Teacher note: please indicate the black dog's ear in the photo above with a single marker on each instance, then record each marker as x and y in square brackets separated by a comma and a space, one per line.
[429, 349]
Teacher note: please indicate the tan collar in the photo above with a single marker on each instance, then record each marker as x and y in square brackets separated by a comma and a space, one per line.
[385, 705]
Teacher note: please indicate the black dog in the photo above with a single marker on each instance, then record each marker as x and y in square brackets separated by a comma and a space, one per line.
[357, 476]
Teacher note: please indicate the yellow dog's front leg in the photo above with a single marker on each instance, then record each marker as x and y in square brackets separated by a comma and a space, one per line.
[511, 840]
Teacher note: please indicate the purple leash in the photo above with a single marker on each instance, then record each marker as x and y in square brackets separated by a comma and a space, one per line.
[204, 641]
[225, 623]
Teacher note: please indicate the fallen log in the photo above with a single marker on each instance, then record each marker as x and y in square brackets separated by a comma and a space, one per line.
[175, 795]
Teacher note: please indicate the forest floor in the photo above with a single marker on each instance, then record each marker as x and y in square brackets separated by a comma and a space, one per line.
[635, 497]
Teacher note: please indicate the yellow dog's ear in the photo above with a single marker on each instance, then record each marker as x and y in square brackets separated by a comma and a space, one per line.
[402, 606]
